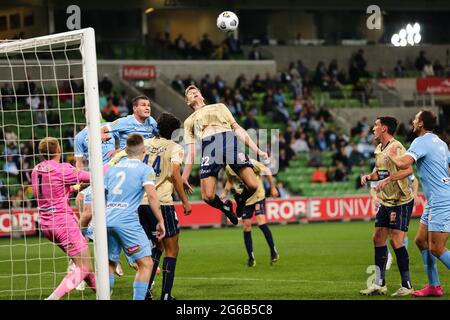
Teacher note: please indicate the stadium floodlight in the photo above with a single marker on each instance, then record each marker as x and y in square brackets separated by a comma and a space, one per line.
[50, 64]
[407, 35]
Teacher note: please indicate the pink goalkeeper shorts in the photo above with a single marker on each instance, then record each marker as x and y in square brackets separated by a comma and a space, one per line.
[64, 231]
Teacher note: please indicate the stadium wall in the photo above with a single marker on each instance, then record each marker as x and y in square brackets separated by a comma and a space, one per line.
[377, 56]
[296, 209]
[347, 118]
[228, 70]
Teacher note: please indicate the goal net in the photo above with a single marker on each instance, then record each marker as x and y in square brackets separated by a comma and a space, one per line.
[45, 83]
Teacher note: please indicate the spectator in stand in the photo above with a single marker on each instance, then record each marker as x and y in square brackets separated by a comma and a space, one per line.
[331, 172]
[102, 99]
[322, 141]
[421, 61]
[7, 94]
[399, 70]
[340, 156]
[250, 121]
[315, 157]
[334, 87]
[297, 106]
[221, 52]
[34, 101]
[10, 137]
[124, 110]
[361, 63]
[302, 70]
[318, 175]
[283, 193]
[40, 118]
[333, 69]
[283, 159]
[268, 106]
[269, 82]
[428, 70]
[10, 166]
[439, 69]
[206, 46]
[178, 84]
[342, 77]
[258, 84]
[189, 81]
[235, 109]
[110, 111]
[296, 86]
[220, 85]
[321, 72]
[355, 158]
[233, 44]
[299, 144]
[253, 108]
[255, 53]
[20, 201]
[381, 74]
[214, 96]
[106, 85]
[340, 173]
[180, 44]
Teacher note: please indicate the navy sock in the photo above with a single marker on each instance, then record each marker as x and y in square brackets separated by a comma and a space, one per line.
[249, 244]
[268, 235]
[403, 265]
[217, 203]
[169, 264]
[381, 255]
[156, 255]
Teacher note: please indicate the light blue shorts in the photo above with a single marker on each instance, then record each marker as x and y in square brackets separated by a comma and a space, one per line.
[437, 219]
[132, 239]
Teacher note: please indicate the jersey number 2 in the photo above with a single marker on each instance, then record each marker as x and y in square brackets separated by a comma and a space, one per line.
[121, 176]
[157, 166]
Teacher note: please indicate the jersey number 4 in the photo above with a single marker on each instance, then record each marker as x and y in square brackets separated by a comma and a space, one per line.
[157, 166]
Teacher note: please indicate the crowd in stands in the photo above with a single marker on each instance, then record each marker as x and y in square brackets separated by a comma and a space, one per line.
[204, 49]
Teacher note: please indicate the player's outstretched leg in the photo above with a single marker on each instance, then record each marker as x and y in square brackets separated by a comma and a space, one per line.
[247, 228]
[81, 271]
[402, 258]
[140, 284]
[247, 176]
[260, 211]
[433, 288]
[171, 249]
[156, 256]
[208, 189]
[379, 286]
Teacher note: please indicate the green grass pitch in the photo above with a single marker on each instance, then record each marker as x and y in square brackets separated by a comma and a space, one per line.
[318, 261]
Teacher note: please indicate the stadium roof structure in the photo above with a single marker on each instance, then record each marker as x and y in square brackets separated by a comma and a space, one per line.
[322, 5]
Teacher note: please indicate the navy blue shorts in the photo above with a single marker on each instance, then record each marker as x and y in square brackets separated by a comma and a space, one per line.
[258, 208]
[219, 150]
[396, 217]
[149, 222]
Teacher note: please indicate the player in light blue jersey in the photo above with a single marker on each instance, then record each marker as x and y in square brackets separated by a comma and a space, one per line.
[125, 185]
[81, 147]
[430, 154]
[139, 122]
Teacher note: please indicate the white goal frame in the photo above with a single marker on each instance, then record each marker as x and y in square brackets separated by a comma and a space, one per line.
[89, 67]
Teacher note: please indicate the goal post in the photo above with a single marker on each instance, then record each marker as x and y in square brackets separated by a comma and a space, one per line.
[44, 52]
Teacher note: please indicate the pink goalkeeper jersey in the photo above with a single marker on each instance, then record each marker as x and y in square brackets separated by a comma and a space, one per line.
[51, 183]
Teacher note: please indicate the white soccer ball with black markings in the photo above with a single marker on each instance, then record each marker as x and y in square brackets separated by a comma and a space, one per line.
[227, 21]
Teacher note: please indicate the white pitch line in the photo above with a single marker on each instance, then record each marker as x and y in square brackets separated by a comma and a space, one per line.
[256, 279]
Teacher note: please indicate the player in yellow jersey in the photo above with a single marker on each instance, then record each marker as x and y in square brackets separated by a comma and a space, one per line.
[396, 201]
[255, 204]
[218, 131]
[166, 157]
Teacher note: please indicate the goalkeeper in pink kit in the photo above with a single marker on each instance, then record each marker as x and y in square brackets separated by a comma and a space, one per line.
[52, 181]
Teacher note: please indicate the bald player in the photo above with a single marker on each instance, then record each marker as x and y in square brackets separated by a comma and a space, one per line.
[394, 212]
[218, 131]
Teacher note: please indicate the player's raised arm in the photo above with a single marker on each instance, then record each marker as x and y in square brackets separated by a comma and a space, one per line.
[178, 185]
[401, 162]
[245, 138]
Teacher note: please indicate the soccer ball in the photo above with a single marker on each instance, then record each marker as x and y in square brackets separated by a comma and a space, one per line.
[227, 21]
